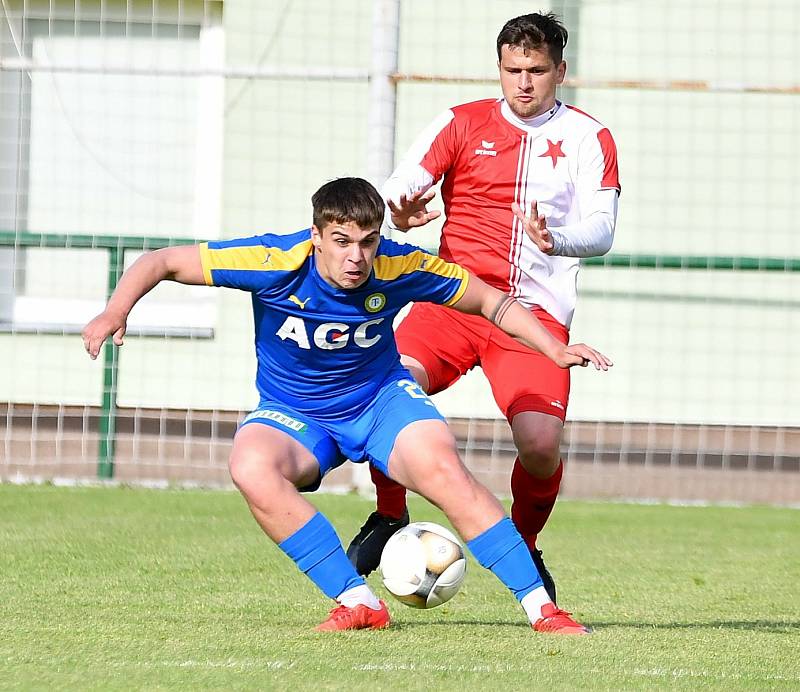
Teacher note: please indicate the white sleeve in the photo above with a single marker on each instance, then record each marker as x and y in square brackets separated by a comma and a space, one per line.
[594, 233]
[407, 179]
[409, 176]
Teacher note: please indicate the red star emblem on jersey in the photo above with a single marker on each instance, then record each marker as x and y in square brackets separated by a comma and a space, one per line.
[554, 151]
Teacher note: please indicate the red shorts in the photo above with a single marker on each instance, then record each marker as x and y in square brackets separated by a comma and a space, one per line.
[449, 343]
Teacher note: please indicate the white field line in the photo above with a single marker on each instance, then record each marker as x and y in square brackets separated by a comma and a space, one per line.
[684, 673]
[493, 668]
[248, 664]
[403, 667]
[231, 663]
[673, 673]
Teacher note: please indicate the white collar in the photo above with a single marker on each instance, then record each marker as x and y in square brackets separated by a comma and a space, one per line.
[535, 121]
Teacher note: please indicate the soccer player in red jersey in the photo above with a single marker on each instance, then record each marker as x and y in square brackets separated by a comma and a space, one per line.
[529, 186]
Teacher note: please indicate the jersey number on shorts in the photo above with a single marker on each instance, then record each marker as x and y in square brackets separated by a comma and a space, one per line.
[414, 390]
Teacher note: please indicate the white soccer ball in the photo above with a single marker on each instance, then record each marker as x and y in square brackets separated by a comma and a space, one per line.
[423, 565]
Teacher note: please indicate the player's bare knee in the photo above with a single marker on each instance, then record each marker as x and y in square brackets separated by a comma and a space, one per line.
[540, 458]
[537, 438]
[248, 472]
[240, 471]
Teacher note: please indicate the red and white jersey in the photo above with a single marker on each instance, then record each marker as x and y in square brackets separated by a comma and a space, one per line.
[488, 158]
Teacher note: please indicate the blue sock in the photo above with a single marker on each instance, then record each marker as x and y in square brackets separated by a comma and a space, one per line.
[317, 551]
[501, 549]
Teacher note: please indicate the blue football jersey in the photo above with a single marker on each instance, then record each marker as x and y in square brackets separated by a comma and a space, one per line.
[325, 350]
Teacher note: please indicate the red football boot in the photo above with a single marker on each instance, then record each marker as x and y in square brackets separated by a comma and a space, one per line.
[557, 621]
[359, 618]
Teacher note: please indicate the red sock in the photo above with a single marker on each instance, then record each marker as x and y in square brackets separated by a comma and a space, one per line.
[533, 500]
[391, 495]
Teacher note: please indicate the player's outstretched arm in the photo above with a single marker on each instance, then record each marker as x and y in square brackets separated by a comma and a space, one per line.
[181, 264]
[516, 321]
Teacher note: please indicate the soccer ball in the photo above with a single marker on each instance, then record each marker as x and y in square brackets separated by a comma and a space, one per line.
[423, 565]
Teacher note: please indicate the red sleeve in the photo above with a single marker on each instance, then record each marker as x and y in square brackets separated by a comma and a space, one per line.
[610, 173]
[443, 150]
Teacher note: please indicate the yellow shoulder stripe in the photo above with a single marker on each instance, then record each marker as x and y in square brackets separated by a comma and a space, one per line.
[252, 258]
[462, 289]
[390, 267]
[205, 262]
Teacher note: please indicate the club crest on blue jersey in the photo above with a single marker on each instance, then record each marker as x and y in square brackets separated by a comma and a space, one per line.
[375, 302]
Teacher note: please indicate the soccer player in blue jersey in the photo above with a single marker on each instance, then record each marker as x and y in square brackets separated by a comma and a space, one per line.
[332, 388]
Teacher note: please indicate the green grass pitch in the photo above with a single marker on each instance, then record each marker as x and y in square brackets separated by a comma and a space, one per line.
[121, 588]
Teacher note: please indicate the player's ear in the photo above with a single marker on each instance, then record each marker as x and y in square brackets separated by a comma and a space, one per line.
[316, 237]
[561, 71]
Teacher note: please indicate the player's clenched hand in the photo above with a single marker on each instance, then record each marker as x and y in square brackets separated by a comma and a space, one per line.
[581, 354]
[412, 211]
[100, 328]
[535, 225]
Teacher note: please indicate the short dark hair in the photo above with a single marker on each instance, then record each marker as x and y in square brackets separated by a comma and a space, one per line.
[532, 31]
[348, 199]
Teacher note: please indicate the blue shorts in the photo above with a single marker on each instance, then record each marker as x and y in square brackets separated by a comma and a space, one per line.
[368, 433]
